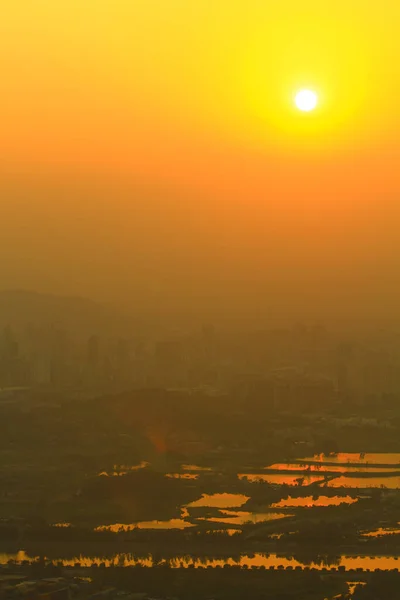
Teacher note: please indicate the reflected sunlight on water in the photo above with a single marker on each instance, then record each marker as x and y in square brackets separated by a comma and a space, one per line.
[229, 532]
[171, 524]
[219, 501]
[118, 560]
[364, 468]
[20, 556]
[365, 482]
[284, 479]
[242, 517]
[357, 459]
[310, 501]
[256, 560]
[182, 475]
[382, 531]
[195, 468]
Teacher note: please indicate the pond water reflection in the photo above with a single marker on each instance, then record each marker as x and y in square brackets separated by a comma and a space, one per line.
[284, 479]
[381, 532]
[255, 560]
[309, 501]
[195, 468]
[242, 517]
[219, 501]
[120, 527]
[340, 470]
[321, 468]
[229, 532]
[361, 459]
[182, 475]
[365, 482]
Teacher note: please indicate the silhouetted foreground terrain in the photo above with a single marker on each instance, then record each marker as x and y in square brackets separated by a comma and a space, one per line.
[160, 582]
[180, 473]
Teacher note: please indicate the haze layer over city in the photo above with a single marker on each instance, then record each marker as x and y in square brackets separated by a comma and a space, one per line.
[153, 155]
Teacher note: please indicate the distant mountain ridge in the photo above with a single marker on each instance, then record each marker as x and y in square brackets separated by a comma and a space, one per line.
[80, 316]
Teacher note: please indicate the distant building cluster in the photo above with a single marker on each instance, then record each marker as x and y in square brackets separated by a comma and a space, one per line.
[50, 357]
[300, 367]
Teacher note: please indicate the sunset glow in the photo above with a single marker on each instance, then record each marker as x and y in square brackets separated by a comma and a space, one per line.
[306, 100]
[162, 124]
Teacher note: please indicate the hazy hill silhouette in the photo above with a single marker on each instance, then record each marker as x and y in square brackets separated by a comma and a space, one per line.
[80, 316]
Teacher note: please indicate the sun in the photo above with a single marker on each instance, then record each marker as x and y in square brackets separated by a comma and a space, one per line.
[306, 100]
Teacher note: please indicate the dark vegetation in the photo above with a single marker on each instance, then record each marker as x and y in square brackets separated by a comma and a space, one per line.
[77, 461]
[223, 583]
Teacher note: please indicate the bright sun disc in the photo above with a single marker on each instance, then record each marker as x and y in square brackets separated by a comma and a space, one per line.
[306, 100]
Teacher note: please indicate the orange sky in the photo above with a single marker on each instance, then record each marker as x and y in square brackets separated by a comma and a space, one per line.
[151, 150]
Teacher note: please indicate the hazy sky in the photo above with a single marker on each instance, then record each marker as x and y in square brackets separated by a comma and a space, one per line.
[151, 152]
